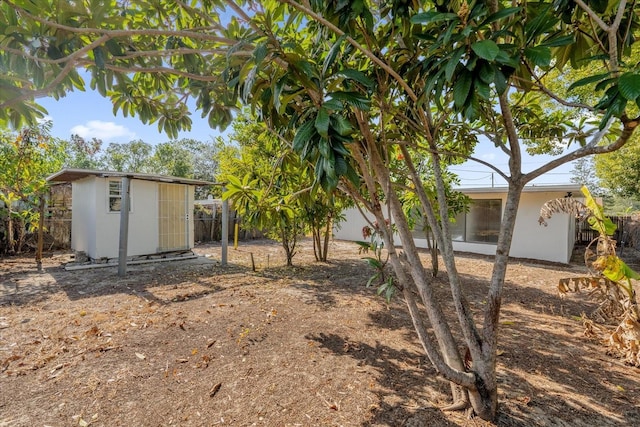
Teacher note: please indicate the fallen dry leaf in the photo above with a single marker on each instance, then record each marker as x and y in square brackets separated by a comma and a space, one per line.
[214, 389]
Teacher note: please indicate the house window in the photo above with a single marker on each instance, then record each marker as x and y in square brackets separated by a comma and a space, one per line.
[481, 224]
[115, 196]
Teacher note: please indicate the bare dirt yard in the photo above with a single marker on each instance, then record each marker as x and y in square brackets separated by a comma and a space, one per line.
[192, 343]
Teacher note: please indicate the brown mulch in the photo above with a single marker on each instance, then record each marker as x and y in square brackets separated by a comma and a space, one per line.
[192, 343]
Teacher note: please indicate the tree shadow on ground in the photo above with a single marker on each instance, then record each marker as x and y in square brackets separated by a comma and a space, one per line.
[323, 281]
[142, 280]
[404, 387]
[546, 368]
[550, 369]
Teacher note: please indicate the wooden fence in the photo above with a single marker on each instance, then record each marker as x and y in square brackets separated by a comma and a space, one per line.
[584, 233]
[57, 218]
[207, 221]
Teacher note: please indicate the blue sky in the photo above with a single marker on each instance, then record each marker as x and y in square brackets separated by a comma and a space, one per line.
[90, 115]
[473, 174]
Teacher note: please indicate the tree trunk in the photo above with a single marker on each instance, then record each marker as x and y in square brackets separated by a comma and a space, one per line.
[432, 246]
[327, 236]
[40, 233]
[10, 239]
[316, 242]
[289, 244]
[448, 361]
[444, 337]
[485, 367]
[22, 234]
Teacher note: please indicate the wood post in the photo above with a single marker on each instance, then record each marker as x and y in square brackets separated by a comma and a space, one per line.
[124, 227]
[225, 229]
[40, 234]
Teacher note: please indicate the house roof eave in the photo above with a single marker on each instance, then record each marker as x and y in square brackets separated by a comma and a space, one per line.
[536, 188]
[70, 175]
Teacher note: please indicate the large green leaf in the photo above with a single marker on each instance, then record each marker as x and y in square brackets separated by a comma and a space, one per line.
[99, 56]
[462, 88]
[587, 80]
[629, 86]
[453, 62]
[358, 76]
[559, 41]
[324, 147]
[333, 53]
[355, 99]
[500, 81]
[501, 14]
[333, 104]
[341, 125]
[341, 166]
[486, 49]
[322, 122]
[598, 221]
[431, 17]
[482, 89]
[486, 72]
[540, 56]
[260, 52]
[303, 136]
[538, 26]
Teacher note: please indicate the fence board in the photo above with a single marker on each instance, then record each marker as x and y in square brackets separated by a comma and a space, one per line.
[585, 235]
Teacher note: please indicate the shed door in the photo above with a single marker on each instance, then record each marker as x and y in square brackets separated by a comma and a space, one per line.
[173, 217]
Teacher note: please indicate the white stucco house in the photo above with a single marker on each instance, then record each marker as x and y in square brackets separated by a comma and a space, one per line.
[477, 230]
[160, 216]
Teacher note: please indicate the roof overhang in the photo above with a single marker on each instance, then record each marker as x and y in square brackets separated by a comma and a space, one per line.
[70, 175]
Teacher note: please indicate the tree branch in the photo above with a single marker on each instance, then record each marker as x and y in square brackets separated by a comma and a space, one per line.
[128, 55]
[538, 83]
[201, 15]
[386, 67]
[59, 78]
[593, 15]
[125, 33]
[589, 149]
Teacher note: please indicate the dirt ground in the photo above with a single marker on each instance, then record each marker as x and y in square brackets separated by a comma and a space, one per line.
[192, 343]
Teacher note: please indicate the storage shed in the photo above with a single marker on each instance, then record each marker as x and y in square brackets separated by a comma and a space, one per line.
[476, 231]
[160, 217]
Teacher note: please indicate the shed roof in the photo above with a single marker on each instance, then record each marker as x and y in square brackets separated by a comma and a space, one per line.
[536, 188]
[70, 175]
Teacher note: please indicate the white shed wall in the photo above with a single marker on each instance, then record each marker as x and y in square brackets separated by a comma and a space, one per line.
[143, 220]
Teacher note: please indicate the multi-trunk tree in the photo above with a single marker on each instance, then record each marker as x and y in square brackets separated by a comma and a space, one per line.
[273, 190]
[27, 157]
[374, 94]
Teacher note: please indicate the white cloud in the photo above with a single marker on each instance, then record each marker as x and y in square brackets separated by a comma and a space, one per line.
[488, 157]
[103, 130]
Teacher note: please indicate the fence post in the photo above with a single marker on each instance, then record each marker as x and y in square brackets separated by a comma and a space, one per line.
[225, 228]
[124, 227]
[214, 210]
